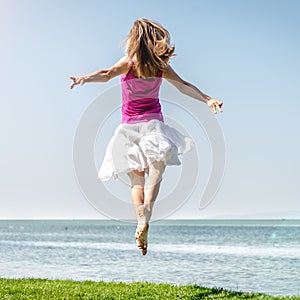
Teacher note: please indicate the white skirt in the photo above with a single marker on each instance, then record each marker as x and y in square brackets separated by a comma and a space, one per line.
[136, 146]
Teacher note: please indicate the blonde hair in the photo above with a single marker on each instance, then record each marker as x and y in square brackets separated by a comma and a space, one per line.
[148, 45]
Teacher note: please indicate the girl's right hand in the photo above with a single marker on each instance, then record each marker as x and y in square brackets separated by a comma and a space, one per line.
[213, 104]
[77, 80]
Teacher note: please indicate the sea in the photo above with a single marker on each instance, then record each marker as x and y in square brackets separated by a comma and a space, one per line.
[242, 255]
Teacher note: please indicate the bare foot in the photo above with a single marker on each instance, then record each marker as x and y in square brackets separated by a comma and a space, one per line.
[141, 237]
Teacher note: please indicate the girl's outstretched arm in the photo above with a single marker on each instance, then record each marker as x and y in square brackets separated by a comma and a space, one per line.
[190, 90]
[121, 67]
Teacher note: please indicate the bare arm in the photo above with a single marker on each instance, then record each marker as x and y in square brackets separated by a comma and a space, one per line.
[191, 90]
[121, 67]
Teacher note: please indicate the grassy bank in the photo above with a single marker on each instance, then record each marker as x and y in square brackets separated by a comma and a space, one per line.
[67, 289]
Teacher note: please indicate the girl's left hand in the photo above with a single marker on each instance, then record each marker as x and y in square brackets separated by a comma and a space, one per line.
[213, 104]
[77, 80]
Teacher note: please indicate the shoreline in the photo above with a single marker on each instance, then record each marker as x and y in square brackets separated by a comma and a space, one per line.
[42, 288]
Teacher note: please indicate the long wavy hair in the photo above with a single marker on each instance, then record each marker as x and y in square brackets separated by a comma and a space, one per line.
[148, 46]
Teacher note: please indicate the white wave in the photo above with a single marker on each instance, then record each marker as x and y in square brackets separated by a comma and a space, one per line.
[292, 252]
[229, 250]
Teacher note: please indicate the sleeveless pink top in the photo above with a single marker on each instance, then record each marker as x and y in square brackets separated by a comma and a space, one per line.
[140, 102]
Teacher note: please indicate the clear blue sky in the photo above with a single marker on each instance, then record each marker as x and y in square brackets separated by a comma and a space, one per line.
[245, 53]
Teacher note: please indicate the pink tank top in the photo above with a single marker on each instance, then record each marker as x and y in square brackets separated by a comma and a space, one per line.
[140, 102]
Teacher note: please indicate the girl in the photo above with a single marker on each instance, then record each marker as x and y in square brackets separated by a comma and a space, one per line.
[143, 145]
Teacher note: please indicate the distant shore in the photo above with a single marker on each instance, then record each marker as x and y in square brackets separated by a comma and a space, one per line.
[30, 288]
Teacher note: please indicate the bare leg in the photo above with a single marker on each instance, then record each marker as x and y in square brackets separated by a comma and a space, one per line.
[137, 195]
[143, 198]
[152, 186]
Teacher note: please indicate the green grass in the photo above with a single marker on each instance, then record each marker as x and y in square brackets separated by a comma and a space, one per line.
[67, 289]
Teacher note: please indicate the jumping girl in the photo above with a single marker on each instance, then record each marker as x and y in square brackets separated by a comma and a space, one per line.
[143, 145]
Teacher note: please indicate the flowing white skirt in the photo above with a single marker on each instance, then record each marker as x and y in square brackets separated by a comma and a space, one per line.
[136, 146]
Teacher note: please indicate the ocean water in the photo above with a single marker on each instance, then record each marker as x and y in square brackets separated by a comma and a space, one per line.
[259, 256]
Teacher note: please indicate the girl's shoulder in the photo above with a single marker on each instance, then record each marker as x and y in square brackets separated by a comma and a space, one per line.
[166, 70]
[126, 64]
